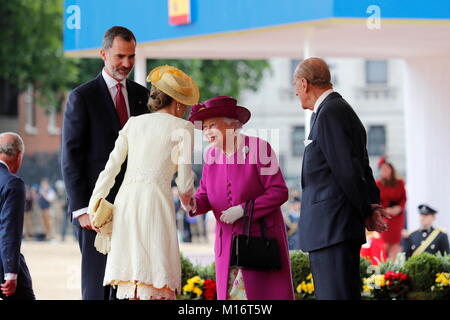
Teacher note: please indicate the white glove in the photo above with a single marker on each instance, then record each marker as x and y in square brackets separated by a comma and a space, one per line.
[232, 214]
[103, 238]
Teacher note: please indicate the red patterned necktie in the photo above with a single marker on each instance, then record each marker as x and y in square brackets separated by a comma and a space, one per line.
[121, 106]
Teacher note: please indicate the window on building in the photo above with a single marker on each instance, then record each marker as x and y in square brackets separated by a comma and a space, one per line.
[376, 72]
[52, 123]
[298, 141]
[30, 114]
[334, 78]
[8, 99]
[294, 64]
[376, 140]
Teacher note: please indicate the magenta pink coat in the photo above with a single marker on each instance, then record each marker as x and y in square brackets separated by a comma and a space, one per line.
[248, 174]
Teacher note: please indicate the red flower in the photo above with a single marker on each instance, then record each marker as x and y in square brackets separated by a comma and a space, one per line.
[389, 275]
[209, 290]
[404, 277]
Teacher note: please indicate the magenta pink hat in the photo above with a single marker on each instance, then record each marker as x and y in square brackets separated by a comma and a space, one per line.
[220, 106]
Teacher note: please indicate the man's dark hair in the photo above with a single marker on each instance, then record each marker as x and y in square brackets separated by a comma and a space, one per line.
[114, 32]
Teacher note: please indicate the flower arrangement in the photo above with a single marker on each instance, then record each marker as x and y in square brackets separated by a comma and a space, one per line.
[197, 288]
[422, 277]
[442, 286]
[306, 288]
[391, 285]
[209, 290]
[398, 284]
[193, 288]
[374, 287]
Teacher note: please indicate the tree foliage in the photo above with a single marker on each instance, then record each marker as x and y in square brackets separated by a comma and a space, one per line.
[32, 53]
[213, 77]
[220, 77]
[32, 48]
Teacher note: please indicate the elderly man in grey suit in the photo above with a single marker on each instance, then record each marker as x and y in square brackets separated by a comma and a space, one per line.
[340, 197]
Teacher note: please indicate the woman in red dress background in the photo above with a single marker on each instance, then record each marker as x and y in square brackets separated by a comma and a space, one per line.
[393, 198]
[374, 249]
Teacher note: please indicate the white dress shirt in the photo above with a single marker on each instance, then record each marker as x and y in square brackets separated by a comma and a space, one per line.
[321, 98]
[3, 162]
[111, 84]
[9, 276]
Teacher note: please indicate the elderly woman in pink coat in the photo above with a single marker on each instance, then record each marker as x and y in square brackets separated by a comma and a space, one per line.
[237, 169]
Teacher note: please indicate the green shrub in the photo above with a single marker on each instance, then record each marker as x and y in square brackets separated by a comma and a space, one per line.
[364, 268]
[206, 272]
[422, 269]
[445, 259]
[300, 266]
[396, 265]
[187, 270]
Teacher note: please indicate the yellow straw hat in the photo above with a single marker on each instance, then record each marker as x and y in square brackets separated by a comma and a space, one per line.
[175, 83]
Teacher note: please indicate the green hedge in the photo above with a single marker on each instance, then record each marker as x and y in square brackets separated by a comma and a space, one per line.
[422, 269]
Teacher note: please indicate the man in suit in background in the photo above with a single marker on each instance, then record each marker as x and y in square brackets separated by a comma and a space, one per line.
[15, 277]
[340, 197]
[96, 111]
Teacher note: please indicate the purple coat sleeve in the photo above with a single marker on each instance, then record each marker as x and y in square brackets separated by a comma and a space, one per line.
[271, 179]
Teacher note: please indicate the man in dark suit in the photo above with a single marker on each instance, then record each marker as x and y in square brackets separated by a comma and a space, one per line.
[95, 113]
[15, 277]
[340, 196]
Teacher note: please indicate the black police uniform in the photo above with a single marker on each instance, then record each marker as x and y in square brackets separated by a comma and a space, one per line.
[415, 239]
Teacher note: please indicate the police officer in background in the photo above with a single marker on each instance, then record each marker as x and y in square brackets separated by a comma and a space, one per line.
[426, 239]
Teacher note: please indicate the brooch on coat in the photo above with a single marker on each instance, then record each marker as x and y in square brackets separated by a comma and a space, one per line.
[245, 150]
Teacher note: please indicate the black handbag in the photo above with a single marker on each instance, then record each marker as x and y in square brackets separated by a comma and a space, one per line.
[254, 253]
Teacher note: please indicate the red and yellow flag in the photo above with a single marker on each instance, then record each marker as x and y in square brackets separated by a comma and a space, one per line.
[179, 12]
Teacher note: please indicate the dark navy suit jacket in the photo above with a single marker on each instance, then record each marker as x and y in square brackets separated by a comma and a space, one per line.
[12, 208]
[91, 127]
[337, 181]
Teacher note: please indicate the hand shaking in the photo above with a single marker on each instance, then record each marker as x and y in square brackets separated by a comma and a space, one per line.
[190, 206]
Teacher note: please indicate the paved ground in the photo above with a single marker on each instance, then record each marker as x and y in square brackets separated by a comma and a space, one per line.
[55, 266]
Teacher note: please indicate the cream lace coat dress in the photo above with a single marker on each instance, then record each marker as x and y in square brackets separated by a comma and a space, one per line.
[144, 257]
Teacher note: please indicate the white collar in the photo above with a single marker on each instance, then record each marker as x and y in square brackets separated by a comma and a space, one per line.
[321, 98]
[7, 167]
[110, 81]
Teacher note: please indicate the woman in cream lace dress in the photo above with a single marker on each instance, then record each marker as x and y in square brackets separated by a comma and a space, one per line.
[144, 261]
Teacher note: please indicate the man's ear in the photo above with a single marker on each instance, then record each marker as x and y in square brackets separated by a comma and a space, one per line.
[18, 163]
[103, 54]
[305, 85]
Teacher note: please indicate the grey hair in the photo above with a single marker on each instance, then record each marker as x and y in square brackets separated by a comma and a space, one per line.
[229, 121]
[114, 32]
[11, 147]
[315, 71]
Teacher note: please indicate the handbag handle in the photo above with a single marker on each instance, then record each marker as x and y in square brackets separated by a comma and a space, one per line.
[261, 220]
[245, 216]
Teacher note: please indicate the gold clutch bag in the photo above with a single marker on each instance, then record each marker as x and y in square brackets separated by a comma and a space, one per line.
[103, 213]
